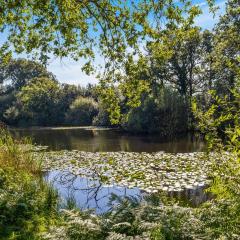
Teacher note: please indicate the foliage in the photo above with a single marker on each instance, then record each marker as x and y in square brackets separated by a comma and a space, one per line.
[40, 100]
[221, 125]
[151, 219]
[174, 57]
[82, 111]
[179, 56]
[66, 28]
[30, 95]
[28, 205]
[219, 121]
[102, 119]
[13, 155]
[165, 114]
[14, 75]
[226, 62]
[116, 27]
[18, 72]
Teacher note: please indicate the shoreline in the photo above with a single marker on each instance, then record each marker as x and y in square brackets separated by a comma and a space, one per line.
[62, 128]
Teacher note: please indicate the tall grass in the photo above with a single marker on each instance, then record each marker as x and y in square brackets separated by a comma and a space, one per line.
[14, 154]
[28, 204]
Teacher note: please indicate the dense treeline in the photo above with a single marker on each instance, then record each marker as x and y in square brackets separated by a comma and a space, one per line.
[154, 93]
[32, 96]
[182, 66]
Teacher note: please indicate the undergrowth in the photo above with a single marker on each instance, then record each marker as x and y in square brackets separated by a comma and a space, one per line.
[28, 205]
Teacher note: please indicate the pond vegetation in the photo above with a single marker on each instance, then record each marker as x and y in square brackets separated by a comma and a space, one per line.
[148, 172]
[146, 214]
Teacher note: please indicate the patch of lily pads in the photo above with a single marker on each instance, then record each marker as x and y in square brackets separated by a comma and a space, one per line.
[149, 172]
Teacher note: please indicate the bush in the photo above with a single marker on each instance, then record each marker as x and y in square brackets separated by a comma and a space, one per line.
[153, 219]
[40, 101]
[82, 111]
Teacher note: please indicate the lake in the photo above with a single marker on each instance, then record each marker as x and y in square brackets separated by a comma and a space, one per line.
[92, 139]
[88, 194]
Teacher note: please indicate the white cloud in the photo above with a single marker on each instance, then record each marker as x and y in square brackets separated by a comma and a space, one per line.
[202, 4]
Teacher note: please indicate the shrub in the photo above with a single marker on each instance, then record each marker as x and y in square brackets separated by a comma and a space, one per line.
[82, 111]
[102, 119]
[40, 101]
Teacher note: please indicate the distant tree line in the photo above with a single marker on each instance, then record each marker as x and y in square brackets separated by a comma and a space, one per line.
[32, 96]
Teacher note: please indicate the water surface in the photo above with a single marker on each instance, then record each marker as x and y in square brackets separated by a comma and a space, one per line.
[89, 194]
[106, 140]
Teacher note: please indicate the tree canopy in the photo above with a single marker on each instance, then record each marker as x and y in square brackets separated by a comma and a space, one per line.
[20, 71]
[146, 44]
[76, 28]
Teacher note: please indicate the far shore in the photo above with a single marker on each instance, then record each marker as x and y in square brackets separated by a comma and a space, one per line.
[62, 128]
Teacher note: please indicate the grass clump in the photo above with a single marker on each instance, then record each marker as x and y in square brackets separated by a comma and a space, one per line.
[14, 155]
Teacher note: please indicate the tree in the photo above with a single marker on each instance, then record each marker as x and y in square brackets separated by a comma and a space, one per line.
[66, 28]
[227, 48]
[219, 119]
[207, 64]
[14, 75]
[74, 28]
[165, 114]
[176, 58]
[40, 101]
[18, 72]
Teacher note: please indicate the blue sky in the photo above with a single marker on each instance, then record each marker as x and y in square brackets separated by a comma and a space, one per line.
[69, 71]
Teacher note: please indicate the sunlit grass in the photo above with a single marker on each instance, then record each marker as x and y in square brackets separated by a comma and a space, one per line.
[13, 154]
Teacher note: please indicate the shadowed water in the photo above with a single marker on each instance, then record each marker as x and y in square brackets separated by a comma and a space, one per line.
[106, 140]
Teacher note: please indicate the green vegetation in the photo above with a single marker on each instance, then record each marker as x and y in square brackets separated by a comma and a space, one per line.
[82, 111]
[165, 114]
[149, 172]
[152, 92]
[33, 97]
[27, 203]
[186, 79]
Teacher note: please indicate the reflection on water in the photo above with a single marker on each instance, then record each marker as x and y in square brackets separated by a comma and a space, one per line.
[97, 140]
[89, 194]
